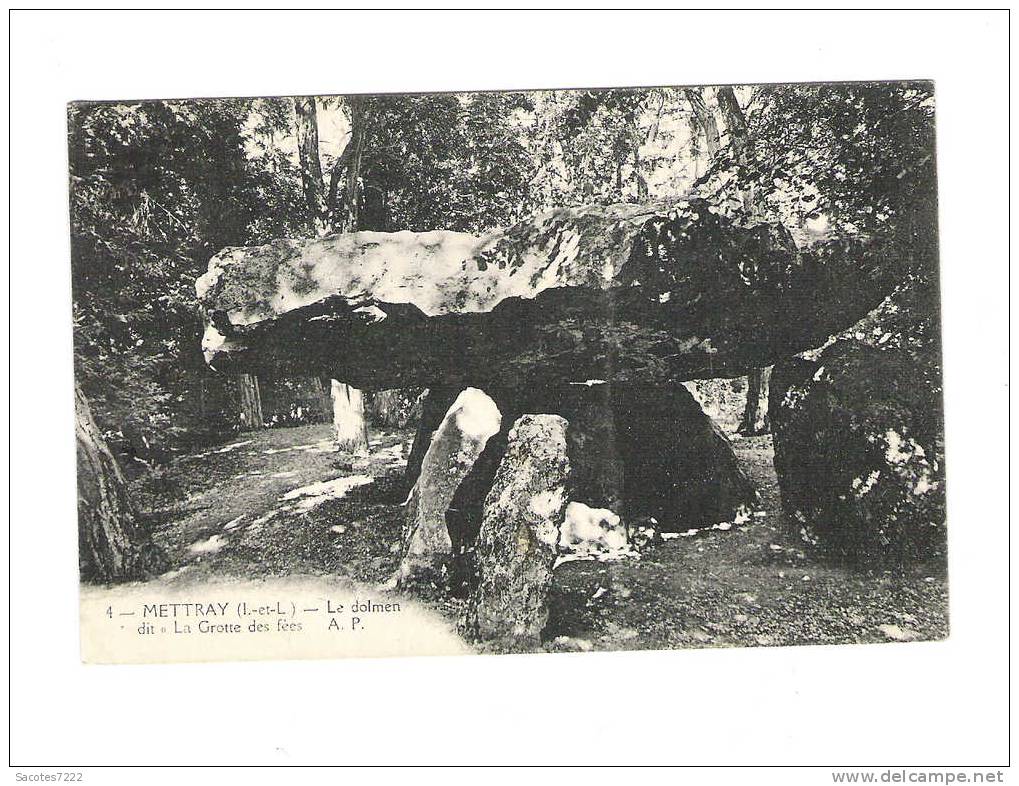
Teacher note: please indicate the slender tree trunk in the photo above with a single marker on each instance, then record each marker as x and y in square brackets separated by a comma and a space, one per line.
[739, 138]
[112, 546]
[322, 386]
[348, 419]
[324, 214]
[251, 403]
[348, 403]
[350, 220]
[755, 414]
[642, 187]
[311, 164]
[702, 124]
[384, 408]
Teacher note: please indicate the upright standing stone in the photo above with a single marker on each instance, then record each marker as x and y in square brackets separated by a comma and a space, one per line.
[518, 542]
[348, 419]
[435, 403]
[635, 452]
[454, 447]
[594, 439]
[680, 466]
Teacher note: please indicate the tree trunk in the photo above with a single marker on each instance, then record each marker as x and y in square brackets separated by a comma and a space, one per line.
[384, 408]
[642, 187]
[311, 164]
[323, 386]
[755, 414]
[348, 419]
[251, 403]
[702, 124]
[350, 216]
[706, 122]
[112, 546]
[347, 402]
[739, 138]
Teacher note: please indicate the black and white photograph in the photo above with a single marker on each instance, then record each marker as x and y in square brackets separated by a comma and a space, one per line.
[515, 388]
[560, 370]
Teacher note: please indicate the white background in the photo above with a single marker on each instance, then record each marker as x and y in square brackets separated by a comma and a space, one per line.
[904, 704]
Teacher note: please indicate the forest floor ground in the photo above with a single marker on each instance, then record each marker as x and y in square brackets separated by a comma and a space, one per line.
[281, 503]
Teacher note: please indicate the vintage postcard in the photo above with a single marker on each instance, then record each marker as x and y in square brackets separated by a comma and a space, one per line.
[536, 371]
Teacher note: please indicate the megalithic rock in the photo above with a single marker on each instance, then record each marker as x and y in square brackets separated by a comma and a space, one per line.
[859, 453]
[518, 543]
[435, 403]
[631, 294]
[639, 451]
[454, 447]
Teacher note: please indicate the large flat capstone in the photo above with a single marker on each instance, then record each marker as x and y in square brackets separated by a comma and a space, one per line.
[620, 293]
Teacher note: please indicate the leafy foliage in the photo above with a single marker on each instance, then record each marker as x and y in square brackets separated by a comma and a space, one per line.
[156, 188]
[849, 167]
[859, 156]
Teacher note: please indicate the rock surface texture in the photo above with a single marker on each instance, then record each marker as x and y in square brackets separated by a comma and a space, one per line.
[518, 542]
[596, 533]
[454, 447]
[595, 317]
[435, 403]
[679, 466]
[638, 452]
[859, 454]
[620, 293]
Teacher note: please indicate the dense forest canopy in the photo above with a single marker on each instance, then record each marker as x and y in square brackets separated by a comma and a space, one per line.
[158, 187]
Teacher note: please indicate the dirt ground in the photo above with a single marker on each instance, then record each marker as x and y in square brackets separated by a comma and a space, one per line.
[282, 503]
